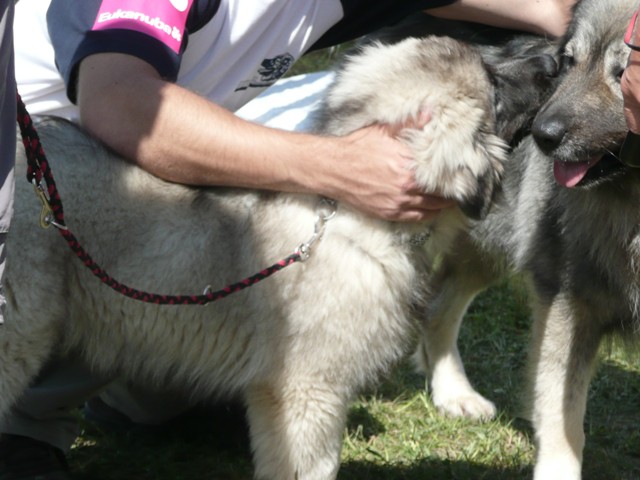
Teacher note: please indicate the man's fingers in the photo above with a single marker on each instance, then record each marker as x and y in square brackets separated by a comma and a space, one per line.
[427, 202]
[418, 123]
[433, 202]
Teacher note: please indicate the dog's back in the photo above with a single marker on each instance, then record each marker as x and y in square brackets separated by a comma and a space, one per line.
[296, 347]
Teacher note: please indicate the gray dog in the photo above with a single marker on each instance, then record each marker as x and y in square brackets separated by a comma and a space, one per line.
[568, 218]
[297, 346]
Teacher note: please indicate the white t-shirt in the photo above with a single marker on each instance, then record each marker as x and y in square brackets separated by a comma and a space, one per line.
[226, 50]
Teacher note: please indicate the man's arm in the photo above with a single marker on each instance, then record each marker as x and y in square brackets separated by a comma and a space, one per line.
[182, 137]
[630, 83]
[546, 17]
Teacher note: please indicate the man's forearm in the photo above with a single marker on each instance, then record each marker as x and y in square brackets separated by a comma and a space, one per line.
[182, 137]
[549, 17]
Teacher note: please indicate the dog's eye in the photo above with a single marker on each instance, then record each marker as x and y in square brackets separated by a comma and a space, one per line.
[566, 62]
[619, 73]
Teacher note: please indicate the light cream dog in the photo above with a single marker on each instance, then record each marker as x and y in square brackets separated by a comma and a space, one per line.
[297, 346]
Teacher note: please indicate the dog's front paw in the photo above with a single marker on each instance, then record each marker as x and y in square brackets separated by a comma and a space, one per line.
[557, 468]
[469, 404]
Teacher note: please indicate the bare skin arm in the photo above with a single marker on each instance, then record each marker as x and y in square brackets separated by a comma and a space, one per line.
[630, 85]
[182, 137]
[545, 17]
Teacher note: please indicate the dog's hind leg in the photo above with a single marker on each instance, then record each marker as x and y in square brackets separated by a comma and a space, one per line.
[457, 283]
[296, 430]
[23, 352]
[563, 354]
[36, 308]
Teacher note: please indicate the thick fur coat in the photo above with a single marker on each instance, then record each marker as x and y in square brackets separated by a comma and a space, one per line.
[567, 218]
[297, 346]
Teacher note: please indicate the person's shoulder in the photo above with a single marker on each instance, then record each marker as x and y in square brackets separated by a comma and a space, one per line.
[201, 12]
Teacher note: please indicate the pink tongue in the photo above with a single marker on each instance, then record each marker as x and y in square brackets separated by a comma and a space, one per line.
[569, 174]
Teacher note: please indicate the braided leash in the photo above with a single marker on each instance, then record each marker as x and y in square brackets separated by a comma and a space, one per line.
[53, 214]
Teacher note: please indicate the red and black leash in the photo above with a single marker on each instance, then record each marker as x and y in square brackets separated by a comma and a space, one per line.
[53, 214]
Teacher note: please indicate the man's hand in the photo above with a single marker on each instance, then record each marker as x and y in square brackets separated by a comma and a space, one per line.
[379, 175]
[184, 138]
[630, 85]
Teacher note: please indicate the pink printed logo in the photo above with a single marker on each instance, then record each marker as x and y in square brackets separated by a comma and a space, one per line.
[161, 19]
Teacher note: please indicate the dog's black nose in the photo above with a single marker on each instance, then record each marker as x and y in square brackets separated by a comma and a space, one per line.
[548, 133]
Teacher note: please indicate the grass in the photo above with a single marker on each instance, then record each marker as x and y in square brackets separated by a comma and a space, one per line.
[393, 431]
[319, 59]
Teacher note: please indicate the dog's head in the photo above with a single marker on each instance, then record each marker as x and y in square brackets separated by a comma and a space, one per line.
[522, 67]
[582, 126]
[478, 99]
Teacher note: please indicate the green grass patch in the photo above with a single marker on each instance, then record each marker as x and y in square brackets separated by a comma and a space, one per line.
[393, 431]
[319, 60]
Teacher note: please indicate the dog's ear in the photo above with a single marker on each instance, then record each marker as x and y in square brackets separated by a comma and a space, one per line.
[477, 199]
[477, 206]
[465, 165]
[522, 85]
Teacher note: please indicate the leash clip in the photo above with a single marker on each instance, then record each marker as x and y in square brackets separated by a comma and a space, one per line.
[46, 214]
[327, 209]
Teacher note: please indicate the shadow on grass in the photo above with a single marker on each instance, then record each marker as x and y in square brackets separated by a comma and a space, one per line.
[214, 443]
[180, 455]
[205, 443]
[433, 469]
